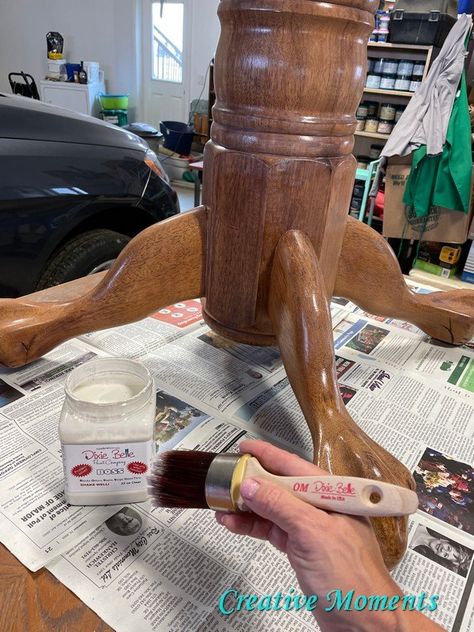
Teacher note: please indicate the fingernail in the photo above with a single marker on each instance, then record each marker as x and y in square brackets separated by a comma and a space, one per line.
[249, 488]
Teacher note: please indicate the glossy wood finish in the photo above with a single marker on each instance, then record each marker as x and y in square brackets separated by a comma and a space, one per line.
[289, 76]
[302, 321]
[369, 275]
[162, 265]
[279, 157]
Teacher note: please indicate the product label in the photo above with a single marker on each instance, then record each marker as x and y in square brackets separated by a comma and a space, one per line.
[107, 467]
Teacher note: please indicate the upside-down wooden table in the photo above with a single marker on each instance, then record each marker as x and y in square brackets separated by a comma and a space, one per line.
[273, 241]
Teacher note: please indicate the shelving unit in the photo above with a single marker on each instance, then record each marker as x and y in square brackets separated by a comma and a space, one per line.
[388, 93]
[363, 140]
[376, 50]
[372, 135]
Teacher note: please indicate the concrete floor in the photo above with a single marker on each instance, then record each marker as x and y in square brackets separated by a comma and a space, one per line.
[185, 195]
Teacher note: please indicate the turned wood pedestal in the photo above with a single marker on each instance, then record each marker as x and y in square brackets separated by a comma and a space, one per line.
[273, 241]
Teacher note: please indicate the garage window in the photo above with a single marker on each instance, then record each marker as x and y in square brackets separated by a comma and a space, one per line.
[168, 29]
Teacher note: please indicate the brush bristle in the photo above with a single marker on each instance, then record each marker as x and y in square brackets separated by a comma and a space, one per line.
[178, 479]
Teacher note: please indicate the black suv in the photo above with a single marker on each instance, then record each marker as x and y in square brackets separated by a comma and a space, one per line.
[73, 191]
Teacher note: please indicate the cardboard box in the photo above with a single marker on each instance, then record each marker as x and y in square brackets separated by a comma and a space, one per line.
[442, 225]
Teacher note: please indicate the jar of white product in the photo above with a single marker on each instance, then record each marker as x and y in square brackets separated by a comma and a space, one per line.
[387, 82]
[373, 81]
[402, 83]
[418, 69]
[390, 66]
[405, 67]
[106, 432]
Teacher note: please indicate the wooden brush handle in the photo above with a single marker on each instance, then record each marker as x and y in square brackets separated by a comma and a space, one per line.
[344, 494]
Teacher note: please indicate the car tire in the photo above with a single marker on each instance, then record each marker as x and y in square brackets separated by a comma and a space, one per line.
[81, 256]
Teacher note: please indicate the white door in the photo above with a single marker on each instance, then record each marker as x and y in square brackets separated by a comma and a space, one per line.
[166, 53]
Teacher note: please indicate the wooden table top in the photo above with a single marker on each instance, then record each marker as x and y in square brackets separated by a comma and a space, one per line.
[38, 602]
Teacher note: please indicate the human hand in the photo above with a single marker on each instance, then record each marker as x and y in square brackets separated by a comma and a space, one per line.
[327, 550]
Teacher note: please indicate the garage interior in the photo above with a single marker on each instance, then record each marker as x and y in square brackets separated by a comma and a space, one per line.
[279, 229]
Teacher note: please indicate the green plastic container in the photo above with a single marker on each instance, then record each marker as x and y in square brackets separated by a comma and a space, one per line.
[114, 101]
[116, 117]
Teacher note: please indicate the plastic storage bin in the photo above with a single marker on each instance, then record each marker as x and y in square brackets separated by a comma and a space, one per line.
[117, 117]
[420, 28]
[426, 22]
[114, 101]
[450, 7]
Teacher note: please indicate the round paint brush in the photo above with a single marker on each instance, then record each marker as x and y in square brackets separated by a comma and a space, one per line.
[191, 479]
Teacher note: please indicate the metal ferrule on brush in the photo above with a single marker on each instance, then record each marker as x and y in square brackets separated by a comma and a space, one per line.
[223, 481]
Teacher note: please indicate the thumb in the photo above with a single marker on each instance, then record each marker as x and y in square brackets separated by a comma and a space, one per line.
[278, 505]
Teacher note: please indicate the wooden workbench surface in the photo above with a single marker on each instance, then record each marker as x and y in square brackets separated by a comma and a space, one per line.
[37, 602]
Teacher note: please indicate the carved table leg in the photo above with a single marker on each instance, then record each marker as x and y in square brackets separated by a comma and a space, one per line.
[161, 265]
[300, 314]
[369, 275]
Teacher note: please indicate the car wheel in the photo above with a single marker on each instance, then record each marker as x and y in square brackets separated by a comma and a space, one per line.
[87, 253]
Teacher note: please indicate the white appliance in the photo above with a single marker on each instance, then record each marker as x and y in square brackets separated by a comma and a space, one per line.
[73, 96]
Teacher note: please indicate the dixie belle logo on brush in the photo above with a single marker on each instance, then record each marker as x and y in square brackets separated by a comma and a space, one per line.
[190, 479]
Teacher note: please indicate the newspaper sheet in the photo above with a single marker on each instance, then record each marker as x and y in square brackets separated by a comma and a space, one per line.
[411, 395]
[36, 523]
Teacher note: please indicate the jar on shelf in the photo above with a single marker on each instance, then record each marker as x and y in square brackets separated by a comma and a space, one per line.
[399, 113]
[378, 65]
[405, 67]
[373, 81]
[360, 124]
[362, 110]
[418, 69]
[390, 66]
[384, 127]
[415, 83]
[373, 108]
[402, 83]
[387, 82]
[388, 111]
[371, 125]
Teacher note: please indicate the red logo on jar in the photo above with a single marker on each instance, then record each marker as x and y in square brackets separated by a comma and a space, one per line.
[81, 470]
[137, 467]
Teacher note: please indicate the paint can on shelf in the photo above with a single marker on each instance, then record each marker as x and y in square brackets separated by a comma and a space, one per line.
[378, 65]
[384, 127]
[387, 82]
[373, 108]
[399, 113]
[388, 111]
[402, 83]
[390, 66]
[362, 110]
[418, 69]
[371, 125]
[405, 67]
[373, 81]
[415, 83]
